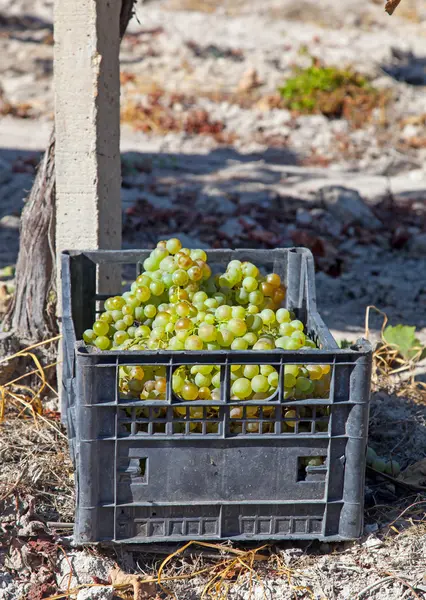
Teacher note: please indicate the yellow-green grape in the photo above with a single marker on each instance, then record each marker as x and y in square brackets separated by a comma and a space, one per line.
[142, 331]
[224, 337]
[143, 293]
[268, 316]
[283, 316]
[216, 380]
[100, 328]
[223, 313]
[195, 273]
[207, 332]
[256, 298]
[252, 309]
[315, 371]
[297, 325]
[102, 342]
[128, 320]
[263, 345]
[249, 269]
[238, 312]
[173, 245]
[251, 371]
[177, 383]
[201, 380]
[239, 344]
[241, 388]
[189, 391]
[120, 337]
[290, 414]
[260, 383]
[204, 393]
[289, 379]
[251, 338]
[303, 384]
[273, 379]
[266, 370]
[237, 327]
[89, 336]
[107, 317]
[150, 311]
[286, 329]
[193, 342]
[299, 336]
[250, 284]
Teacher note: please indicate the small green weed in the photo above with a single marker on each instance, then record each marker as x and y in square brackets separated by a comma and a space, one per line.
[331, 91]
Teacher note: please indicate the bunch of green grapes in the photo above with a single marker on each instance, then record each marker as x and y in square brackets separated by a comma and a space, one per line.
[177, 304]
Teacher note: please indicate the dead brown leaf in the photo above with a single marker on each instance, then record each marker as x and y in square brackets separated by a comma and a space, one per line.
[141, 591]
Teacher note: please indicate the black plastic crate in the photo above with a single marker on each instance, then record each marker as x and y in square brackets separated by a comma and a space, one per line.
[147, 474]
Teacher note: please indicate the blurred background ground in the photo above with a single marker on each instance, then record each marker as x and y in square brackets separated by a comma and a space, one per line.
[212, 154]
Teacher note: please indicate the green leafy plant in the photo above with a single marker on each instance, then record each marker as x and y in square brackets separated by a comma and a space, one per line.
[329, 90]
[403, 338]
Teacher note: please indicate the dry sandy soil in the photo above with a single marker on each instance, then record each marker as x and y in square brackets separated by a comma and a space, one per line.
[209, 155]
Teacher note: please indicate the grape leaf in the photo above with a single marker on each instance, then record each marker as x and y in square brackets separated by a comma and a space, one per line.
[403, 337]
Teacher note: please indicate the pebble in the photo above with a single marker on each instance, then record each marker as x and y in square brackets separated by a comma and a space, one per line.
[96, 593]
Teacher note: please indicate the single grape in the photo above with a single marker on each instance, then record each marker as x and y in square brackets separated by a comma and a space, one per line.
[256, 298]
[107, 317]
[289, 380]
[121, 325]
[102, 342]
[249, 269]
[315, 371]
[117, 315]
[150, 311]
[273, 279]
[204, 393]
[223, 313]
[296, 324]
[273, 379]
[128, 320]
[161, 385]
[267, 289]
[198, 255]
[216, 380]
[302, 384]
[142, 331]
[241, 388]
[202, 380]
[238, 312]
[207, 333]
[239, 344]
[120, 337]
[290, 414]
[176, 344]
[263, 345]
[189, 391]
[89, 336]
[173, 245]
[193, 342]
[183, 323]
[283, 315]
[286, 329]
[157, 288]
[267, 316]
[251, 338]
[195, 273]
[224, 337]
[109, 304]
[316, 461]
[131, 331]
[250, 371]
[250, 284]
[237, 327]
[259, 383]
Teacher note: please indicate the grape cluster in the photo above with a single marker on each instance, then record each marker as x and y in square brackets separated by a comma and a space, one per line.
[391, 467]
[178, 304]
